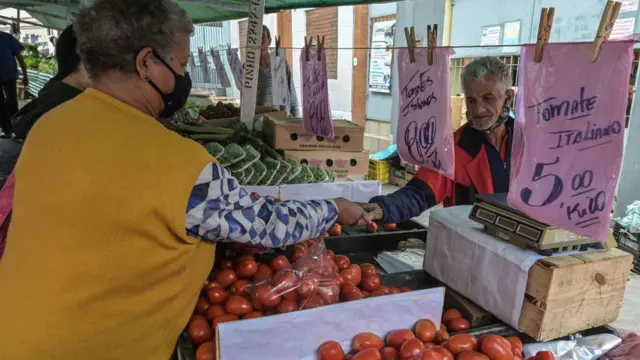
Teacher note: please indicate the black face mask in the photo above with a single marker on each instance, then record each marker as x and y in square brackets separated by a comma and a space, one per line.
[177, 98]
[502, 118]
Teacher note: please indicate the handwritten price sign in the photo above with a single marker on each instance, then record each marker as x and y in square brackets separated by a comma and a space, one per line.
[220, 70]
[425, 133]
[315, 94]
[569, 139]
[236, 67]
[279, 81]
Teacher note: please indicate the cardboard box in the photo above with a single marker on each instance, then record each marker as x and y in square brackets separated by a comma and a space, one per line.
[272, 337]
[284, 133]
[398, 177]
[342, 163]
[573, 293]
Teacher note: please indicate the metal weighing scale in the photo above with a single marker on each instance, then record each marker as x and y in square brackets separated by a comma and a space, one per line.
[501, 220]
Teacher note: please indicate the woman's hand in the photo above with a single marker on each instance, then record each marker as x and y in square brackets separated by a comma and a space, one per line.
[350, 213]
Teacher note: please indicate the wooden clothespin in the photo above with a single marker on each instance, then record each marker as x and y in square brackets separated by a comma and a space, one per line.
[410, 35]
[607, 21]
[432, 40]
[307, 46]
[277, 45]
[320, 47]
[544, 31]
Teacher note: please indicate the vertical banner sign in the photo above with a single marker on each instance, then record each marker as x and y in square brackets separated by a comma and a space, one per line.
[315, 94]
[251, 65]
[279, 81]
[236, 67]
[204, 66]
[425, 132]
[568, 142]
[220, 70]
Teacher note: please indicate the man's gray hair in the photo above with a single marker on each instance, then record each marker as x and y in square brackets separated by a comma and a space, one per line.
[480, 68]
[111, 33]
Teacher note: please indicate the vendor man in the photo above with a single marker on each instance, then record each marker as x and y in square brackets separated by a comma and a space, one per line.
[482, 149]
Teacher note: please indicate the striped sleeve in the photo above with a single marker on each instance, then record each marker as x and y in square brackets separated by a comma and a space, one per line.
[219, 209]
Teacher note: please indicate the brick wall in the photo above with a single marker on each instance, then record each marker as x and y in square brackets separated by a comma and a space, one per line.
[324, 22]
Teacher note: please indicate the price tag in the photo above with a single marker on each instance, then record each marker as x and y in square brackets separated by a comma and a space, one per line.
[220, 70]
[236, 67]
[315, 94]
[204, 66]
[425, 132]
[279, 81]
[567, 147]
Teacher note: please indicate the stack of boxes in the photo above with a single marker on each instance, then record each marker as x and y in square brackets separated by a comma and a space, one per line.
[344, 154]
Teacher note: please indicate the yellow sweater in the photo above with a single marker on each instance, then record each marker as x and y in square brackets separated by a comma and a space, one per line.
[98, 264]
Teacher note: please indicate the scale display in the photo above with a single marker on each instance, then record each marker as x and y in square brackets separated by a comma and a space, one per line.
[501, 220]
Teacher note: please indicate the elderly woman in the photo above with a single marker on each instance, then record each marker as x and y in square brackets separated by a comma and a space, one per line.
[482, 146]
[115, 217]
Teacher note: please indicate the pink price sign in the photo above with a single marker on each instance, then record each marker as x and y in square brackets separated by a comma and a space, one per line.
[425, 132]
[569, 134]
[316, 110]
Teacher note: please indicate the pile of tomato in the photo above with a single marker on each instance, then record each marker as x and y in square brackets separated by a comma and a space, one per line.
[371, 227]
[427, 343]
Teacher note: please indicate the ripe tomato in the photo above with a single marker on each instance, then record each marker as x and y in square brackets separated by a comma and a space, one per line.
[425, 330]
[545, 355]
[351, 296]
[336, 230]
[226, 277]
[372, 227]
[279, 263]
[206, 351]
[366, 340]
[429, 355]
[284, 280]
[217, 296]
[389, 353]
[371, 282]
[287, 306]
[268, 296]
[296, 255]
[308, 285]
[395, 338]
[462, 342]
[472, 355]
[368, 269]
[312, 302]
[201, 305]
[240, 287]
[214, 311]
[367, 354]
[350, 276]
[441, 336]
[331, 255]
[199, 331]
[238, 305]
[450, 314]
[225, 265]
[223, 319]
[330, 350]
[496, 347]
[446, 354]
[342, 261]
[516, 345]
[245, 269]
[459, 324]
[253, 315]
[389, 226]
[410, 349]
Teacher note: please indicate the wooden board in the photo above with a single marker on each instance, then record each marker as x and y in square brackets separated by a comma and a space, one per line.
[476, 315]
[573, 293]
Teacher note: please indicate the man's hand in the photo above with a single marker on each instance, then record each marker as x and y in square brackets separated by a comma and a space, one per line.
[374, 210]
[350, 213]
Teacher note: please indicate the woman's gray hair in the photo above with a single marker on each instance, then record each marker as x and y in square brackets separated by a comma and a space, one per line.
[111, 33]
[480, 68]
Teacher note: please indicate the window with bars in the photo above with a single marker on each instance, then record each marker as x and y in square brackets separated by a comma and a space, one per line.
[324, 22]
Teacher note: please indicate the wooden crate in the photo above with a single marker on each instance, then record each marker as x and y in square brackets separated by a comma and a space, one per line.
[573, 293]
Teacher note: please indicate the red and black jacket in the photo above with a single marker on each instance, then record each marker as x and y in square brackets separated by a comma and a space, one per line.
[480, 169]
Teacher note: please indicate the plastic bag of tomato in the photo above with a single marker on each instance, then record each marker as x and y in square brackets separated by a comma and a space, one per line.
[425, 342]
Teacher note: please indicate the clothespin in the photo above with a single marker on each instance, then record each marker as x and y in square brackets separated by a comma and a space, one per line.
[410, 35]
[307, 46]
[544, 31]
[432, 40]
[320, 47]
[607, 21]
[277, 45]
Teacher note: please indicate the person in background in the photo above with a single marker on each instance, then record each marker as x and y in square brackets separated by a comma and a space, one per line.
[10, 51]
[264, 96]
[116, 218]
[482, 148]
[70, 81]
